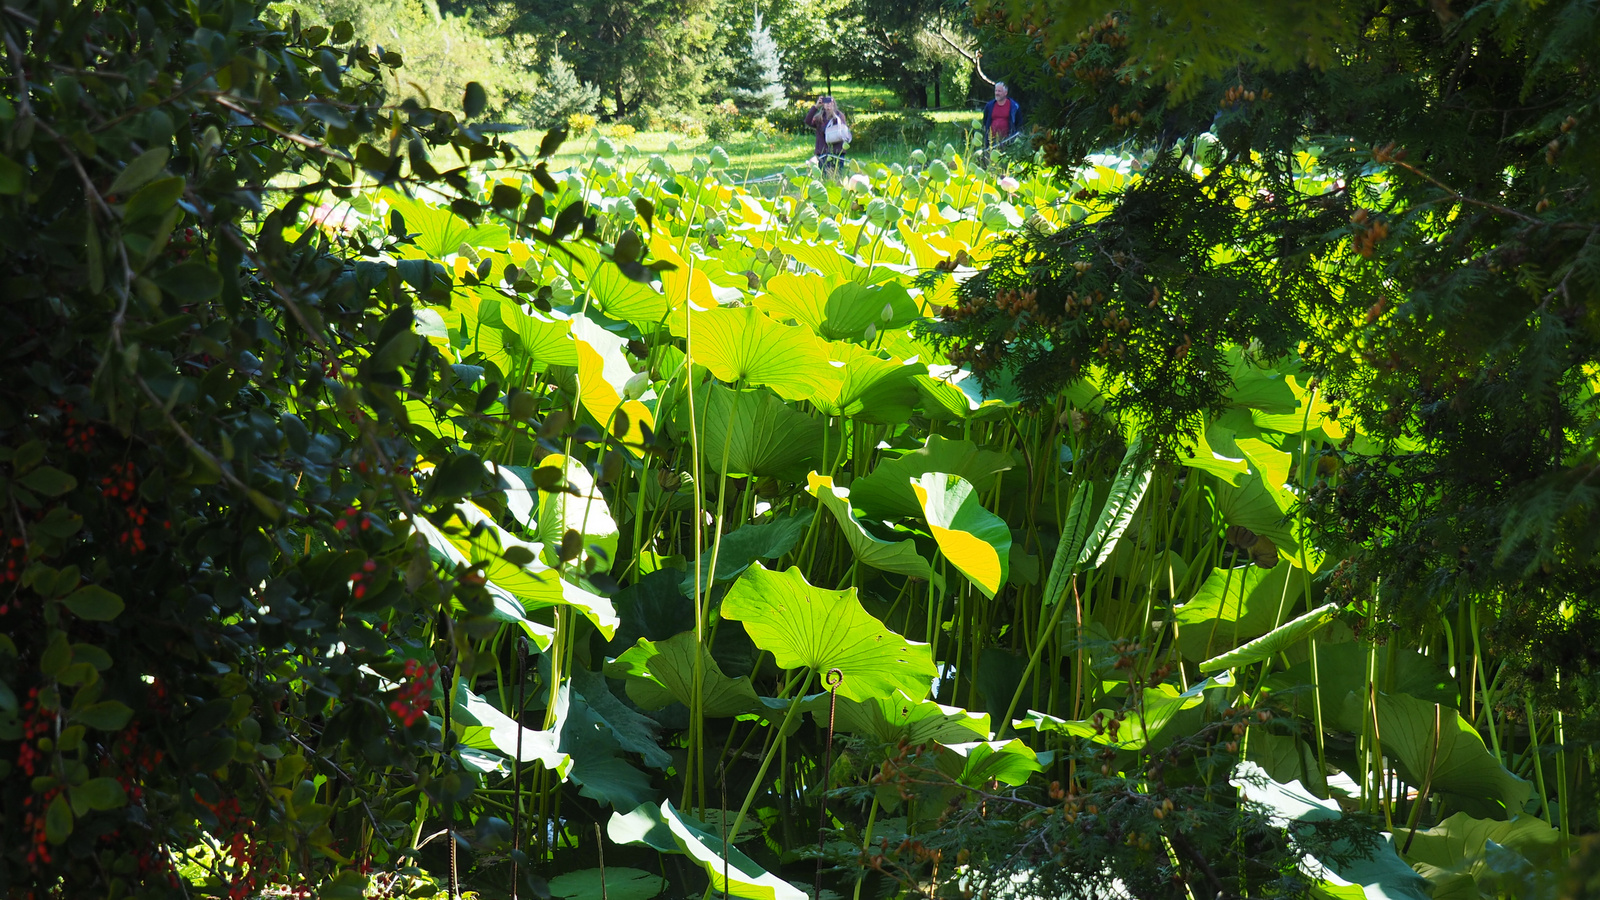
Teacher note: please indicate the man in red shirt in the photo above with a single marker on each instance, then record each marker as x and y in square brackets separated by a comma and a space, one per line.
[1002, 116]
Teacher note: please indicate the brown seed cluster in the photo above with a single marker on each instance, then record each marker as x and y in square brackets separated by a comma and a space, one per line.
[1238, 95]
[1367, 233]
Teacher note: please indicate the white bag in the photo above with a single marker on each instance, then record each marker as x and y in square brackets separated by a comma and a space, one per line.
[837, 132]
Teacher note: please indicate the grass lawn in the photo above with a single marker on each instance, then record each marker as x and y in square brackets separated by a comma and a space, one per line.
[752, 156]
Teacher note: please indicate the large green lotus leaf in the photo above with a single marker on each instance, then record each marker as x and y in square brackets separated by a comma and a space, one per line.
[474, 323]
[1452, 854]
[951, 393]
[1342, 669]
[632, 730]
[976, 541]
[603, 372]
[753, 433]
[1137, 727]
[1314, 416]
[1213, 451]
[736, 875]
[601, 775]
[620, 297]
[867, 387]
[836, 308]
[1234, 605]
[1260, 501]
[1423, 737]
[540, 342]
[440, 232]
[802, 297]
[898, 717]
[737, 549]
[583, 510]
[1254, 387]
[1285, 758]
[900, 557]
[886, 493]
[482, 727]
[610, 883]
[826, 258]
[654, 606]
[1273, 642]
[660, 672]
[742, 345]
[1378, 871]
[802, 625]
[977, 763]
[515, 589]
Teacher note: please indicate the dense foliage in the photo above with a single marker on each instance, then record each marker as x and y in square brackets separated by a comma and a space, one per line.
[1406, 190]
[386, 503]
[210, 592]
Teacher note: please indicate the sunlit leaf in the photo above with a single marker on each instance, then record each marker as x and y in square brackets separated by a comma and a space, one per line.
[802, 625]
[974, 540]
[901, 556]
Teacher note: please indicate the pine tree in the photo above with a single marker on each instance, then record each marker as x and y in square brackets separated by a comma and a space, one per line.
[560, 95]
[758, 77]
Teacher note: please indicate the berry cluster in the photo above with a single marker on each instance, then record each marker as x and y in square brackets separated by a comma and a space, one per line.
[358, 588]
[122, 487]
[12, 569]
[79, 436]
[352, 519]
[38, 723]
[416, 694]
[251, 856]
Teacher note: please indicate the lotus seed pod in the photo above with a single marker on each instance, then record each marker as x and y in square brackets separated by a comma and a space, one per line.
[659, 165]
[636, 386]
[918, 157]
[605, 149]
[828, 230]
[719, 158]
[938, 172]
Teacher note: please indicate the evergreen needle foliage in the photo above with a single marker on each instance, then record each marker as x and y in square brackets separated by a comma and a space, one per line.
[758, 75]
[560, 94]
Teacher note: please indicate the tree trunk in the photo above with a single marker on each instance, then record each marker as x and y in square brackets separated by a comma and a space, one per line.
[827, 75]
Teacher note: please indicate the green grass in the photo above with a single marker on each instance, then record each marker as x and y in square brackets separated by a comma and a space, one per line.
[751, 155]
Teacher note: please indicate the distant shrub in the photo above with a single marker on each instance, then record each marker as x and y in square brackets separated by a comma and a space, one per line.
[620, 130]
[580, 123]
[874, 133]
[791, 119]
[876, 104]
[724, 119]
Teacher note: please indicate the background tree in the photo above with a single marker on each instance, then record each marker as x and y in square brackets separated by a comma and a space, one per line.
[758, 73]
[638, 54]
[559, 95]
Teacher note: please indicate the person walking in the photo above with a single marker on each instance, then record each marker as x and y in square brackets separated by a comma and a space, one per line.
[1002, 117]
[833, 132]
